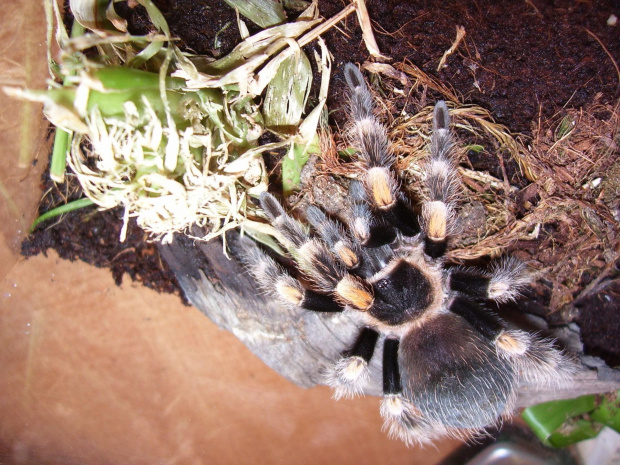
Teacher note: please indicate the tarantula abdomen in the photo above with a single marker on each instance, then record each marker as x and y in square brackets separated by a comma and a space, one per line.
[464, 383]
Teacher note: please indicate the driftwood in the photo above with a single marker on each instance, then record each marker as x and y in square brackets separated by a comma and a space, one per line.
[300, 345]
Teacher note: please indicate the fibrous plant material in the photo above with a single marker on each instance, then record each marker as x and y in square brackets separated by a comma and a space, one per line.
[174, 153]
[460, 34]
[575, 157]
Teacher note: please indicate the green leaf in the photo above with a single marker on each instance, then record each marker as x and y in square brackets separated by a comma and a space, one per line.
[557, 424]
[474, 148]
[266, 240]
[58, 162]
[156, 17]
[347, 153]
[294, 161]
[62, 138]
[119, 78]
[71, 206]
[297, 5]
[565, 127]
[265, 13]
[608, 412]
[572, 431]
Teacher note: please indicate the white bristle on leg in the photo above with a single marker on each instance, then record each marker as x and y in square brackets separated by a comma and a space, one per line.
[543, 364]
[348, 377]
[508, 278]
[512, 343]
[402, 421]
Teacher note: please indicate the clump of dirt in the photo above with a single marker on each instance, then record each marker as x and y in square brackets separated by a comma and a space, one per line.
[547, 70]
[599, 322]
[93, 236]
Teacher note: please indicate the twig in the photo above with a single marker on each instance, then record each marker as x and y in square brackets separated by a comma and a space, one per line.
[320, 29]
[505, 175]
[607, 52]
[460, 33]
[486, 179]
[367, 34]
[387, 70]
[530, 3]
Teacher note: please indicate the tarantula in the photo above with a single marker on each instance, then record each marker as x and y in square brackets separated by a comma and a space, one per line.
[450, 366]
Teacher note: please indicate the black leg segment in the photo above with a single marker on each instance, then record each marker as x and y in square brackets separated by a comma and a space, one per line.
[435, 249]
[318, 302]
[402, 217]
[471, 284]
[365, 344]
[487, 324]
[391, 372]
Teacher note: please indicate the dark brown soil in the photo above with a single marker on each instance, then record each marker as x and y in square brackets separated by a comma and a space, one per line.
[521, 60]
[600, 323]
[93, 236]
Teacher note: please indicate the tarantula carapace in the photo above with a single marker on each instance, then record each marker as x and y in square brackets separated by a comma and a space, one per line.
[450, 366]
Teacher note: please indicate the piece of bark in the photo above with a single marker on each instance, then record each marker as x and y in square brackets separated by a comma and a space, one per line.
[300, 345]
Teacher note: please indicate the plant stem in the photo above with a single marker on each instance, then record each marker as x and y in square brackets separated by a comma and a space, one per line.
[68, 207]
[58, 163]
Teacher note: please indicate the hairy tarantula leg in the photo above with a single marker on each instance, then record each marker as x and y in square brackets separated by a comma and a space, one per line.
[542, 363]
[534, 359]
[316, 261]
[274, 280]
[290, 228]
[334, 236]
[319, 265]
[361, 99]
[366, 231]
[491, 327]
[349, 375]
[360, 220]
[372, 142]
[401, 418]
[438, 212]
[502, 283]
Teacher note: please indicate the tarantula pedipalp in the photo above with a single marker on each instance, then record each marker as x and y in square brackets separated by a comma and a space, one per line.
[450, 366]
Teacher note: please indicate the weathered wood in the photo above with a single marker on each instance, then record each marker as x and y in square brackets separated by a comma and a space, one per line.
[299, 344]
